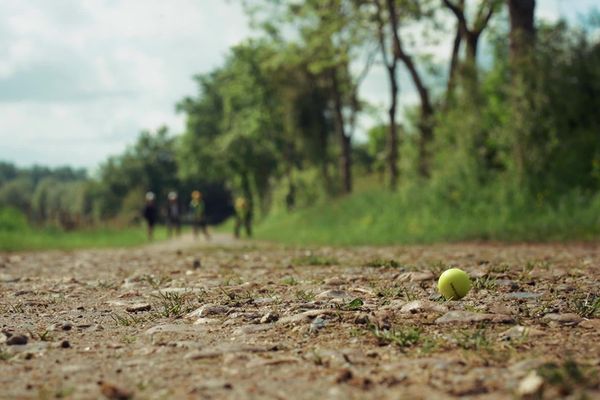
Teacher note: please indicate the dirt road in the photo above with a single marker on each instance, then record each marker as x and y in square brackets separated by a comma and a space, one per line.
[184, 319]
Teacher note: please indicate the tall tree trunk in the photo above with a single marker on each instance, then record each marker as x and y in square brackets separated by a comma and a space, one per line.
[391, 67]
[393, 134]
[426, 117]
[345, 141]
[522, 29]
[453, 65]
[522, 38]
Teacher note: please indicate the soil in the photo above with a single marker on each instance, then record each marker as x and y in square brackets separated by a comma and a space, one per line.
[227, 319]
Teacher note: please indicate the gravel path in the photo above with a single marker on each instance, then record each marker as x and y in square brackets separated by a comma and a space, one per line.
[227, 319]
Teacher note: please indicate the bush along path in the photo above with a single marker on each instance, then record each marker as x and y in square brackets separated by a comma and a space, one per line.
[247, 320]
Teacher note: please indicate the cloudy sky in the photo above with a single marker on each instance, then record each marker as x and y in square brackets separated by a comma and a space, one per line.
[80, 78]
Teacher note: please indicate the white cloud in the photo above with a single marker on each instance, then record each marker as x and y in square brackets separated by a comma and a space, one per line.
[87, 76]
[79, 79]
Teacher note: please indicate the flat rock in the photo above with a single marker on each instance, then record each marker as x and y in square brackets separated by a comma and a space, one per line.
[208, 310]
[218, 351]
[305, 316]
[420, 306]
[562, 319]
[530, 385]
[520, 332]
[334, 294]
[173, 328]
[206, 321]
[5, 278]
[138, 307]
[335, 281]
[269, 317]
[523, 295]
[590, 324]
[467, 316]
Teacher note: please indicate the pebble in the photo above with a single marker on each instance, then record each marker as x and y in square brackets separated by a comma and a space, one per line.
[562, 319]
[519, 332]
[530, 385]
[114, 392]
[523, 295]
[269, 317]
[334, 294]
[419, 306]
[317, 324]
[208, 310]
[138, 307]
[467, 316]
[306, 316]
[17, 340]
[590, 324]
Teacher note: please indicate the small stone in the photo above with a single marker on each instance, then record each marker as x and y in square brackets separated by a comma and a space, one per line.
[67, 326]
[334, 294]
[419, 306]
[520, 332]
[530, 385]
[334, 281]
[114, 392]
[138, 307]
[421, 276]
[306, 316]
[467, 316]
[590, 324]
[17, 340]
[317, 324]
[269, 317]
[208, 310]
[523, 295]
[563, 319]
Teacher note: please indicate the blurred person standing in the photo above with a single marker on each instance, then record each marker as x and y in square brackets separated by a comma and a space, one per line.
[198, 214]
[243, 216]
[173, 214]
[150, 214]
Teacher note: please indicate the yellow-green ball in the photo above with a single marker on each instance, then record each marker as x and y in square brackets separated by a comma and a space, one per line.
[454, 284]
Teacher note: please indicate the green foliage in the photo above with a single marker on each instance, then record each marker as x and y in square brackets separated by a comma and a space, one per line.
[424, 215]
[98, 237]
[12, 220]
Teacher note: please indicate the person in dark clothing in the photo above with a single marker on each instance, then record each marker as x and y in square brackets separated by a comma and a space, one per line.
[173, 215]
[150, 214]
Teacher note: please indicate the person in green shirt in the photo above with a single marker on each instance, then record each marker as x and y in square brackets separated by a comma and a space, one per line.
[243, 216]
[198, 214]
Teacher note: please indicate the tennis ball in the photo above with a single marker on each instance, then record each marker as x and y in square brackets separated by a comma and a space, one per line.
[454, 284]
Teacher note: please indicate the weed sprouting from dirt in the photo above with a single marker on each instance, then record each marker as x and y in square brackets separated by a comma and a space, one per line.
[354, 305]
[485, 283]
[172, 304]
[156, 282]
[13, 308]
[477, 339]
[401, 337]
[127, 320]
[289, 281]
[587, 306]
[305, 295]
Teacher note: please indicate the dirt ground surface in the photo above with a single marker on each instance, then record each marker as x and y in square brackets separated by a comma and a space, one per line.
[225, 319]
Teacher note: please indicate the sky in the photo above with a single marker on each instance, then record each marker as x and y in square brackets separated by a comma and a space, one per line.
[79, 79]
